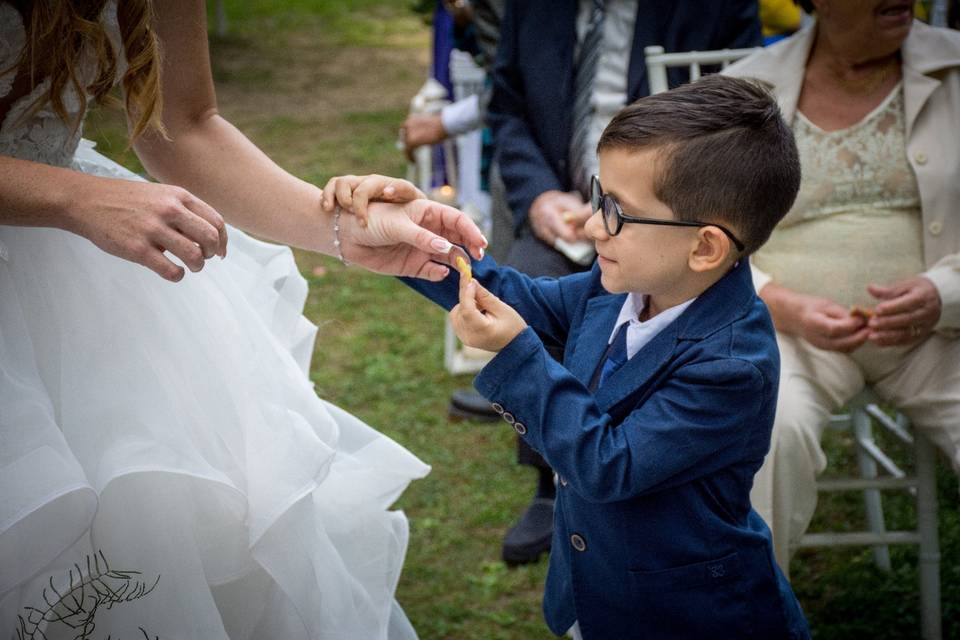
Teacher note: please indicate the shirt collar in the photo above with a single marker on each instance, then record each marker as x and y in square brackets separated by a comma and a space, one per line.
[639, 333]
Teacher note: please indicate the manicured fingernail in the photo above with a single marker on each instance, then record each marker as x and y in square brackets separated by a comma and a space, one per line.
[441, 245]
[481, 253]
[485, 243]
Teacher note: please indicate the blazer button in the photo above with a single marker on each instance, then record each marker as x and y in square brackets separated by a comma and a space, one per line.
[509, 417]
[520, 428]
[935, 228]
[578, 543]
[497, 407]
[920, 158]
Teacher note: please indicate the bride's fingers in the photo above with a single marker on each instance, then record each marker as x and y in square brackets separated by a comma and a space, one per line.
[453, 224]
[433, 271]
[154, 260]
[183, 247]
[466, 231]
[203, 225]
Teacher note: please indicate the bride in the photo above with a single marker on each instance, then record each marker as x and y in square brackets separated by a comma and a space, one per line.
[166, 469]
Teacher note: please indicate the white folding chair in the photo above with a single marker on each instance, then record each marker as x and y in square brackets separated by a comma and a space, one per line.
[863, 412]
[658, 62]
[468, 79]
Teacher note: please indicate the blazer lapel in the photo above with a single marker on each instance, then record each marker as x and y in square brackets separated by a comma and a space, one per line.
[591, 343]
[638, 370]
[729, 299]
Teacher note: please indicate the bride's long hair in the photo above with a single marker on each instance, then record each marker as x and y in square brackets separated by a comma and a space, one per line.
[60, 31]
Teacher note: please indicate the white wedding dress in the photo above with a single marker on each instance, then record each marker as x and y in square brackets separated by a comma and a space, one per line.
[166, 468]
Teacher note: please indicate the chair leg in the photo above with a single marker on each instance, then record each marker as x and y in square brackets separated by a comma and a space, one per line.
[929, 561]
[863, 432]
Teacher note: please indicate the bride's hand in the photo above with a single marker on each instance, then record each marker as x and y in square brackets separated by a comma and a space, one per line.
[355, 192]
[409, 239]
[138, 221]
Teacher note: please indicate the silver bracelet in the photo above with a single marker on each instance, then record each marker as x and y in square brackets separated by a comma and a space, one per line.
[336, 236]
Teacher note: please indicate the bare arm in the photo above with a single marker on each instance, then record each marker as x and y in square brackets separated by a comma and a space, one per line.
[209, 157]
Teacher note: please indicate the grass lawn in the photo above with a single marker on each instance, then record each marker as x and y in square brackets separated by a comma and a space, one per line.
[322, 86]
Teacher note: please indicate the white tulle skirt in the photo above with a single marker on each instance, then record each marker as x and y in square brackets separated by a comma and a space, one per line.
[166, 468]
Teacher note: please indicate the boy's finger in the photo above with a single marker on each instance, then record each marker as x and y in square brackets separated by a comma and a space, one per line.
[344, 191]
[329, 191]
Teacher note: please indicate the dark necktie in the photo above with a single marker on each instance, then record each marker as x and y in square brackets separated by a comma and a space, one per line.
[582, 94]
[614, 358]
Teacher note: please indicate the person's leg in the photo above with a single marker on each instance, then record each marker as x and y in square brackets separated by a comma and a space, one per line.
[813, 384]
[926, 389]
[530, 536]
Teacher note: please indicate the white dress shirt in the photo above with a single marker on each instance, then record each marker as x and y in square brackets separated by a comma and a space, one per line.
[610, 82]
[639, 333]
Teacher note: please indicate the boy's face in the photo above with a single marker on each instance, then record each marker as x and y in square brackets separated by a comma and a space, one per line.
[642, 258]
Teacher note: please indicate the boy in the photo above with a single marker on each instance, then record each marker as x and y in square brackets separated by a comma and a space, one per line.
[662, 410]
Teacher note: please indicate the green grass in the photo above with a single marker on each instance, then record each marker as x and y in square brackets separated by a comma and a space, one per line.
[322, 87]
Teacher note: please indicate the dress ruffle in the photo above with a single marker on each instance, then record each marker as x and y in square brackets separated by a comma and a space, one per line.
[173, 428]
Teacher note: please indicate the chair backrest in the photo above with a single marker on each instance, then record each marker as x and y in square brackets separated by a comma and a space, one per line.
[658, 62]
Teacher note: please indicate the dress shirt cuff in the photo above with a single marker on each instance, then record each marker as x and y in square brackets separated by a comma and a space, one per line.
[461, 116]
[504, 365]
[945, 276]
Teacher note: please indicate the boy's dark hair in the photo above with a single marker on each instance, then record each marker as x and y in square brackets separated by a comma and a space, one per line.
[728, 156]
[806, 5]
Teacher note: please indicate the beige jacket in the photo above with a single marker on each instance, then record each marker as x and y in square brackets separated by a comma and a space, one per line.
[931, 91]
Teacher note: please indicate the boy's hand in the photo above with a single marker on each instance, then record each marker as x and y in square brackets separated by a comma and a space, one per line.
[482, 320]
[354, 193]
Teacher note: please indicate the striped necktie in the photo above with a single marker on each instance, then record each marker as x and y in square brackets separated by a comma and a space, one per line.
[583, 93]
[614, 358]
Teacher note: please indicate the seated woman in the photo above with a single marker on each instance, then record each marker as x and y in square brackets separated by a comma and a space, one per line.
[862, 277]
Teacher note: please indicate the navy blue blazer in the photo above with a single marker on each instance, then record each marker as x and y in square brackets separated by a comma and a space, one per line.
[531, 108]
[654, 533]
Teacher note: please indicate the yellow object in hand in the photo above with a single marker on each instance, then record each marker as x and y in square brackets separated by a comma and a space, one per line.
[464, 267]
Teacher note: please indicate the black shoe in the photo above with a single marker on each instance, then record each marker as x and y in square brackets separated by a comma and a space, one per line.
[467, 404]
[531, 536]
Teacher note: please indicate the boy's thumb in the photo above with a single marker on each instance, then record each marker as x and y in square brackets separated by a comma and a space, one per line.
[486, 301]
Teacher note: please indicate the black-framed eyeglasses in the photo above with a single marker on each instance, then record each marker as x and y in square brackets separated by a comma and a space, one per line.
[614, 218]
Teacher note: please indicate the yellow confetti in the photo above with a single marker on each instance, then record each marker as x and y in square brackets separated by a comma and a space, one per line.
[464, 268]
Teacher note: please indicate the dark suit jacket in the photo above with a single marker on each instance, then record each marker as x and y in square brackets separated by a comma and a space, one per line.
[654, 533]
[531, 110]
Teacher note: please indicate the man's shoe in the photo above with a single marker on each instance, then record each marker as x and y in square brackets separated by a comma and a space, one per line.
[467, 404]
[531, 536]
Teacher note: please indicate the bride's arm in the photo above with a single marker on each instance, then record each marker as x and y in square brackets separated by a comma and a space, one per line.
[209, 157]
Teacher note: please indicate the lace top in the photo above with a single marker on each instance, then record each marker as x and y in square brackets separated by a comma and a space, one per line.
[857, 217]
[44, 136]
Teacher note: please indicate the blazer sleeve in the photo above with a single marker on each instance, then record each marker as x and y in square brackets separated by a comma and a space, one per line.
[525, 170]
[739, 26]
[544, 303]
[700, 420]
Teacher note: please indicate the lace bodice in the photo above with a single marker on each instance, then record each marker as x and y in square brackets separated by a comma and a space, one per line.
[44, 136]
[857, 217]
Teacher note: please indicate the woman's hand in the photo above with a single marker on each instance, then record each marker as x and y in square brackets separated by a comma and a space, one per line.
[138, 221]
[356, 192]
[482, 320]
[821, 322]
[908, 311]
[411, 239]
